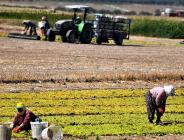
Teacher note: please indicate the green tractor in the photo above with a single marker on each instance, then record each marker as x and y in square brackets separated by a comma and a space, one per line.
[76, 29]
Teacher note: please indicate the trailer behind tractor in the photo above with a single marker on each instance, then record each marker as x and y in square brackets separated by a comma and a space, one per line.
[108, 27]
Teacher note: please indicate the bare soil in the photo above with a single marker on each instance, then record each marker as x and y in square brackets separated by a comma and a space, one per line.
[28, 65]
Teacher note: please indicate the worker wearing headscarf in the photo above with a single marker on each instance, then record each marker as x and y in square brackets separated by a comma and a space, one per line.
[44, 27]
[156, 101]
[23, 118]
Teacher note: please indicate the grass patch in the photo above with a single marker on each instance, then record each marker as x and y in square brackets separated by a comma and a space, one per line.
[3, 34]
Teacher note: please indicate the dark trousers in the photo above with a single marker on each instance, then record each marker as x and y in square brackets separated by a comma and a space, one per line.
[151, 108]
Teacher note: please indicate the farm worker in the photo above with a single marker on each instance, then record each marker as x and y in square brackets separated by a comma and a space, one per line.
[156, 100]
[44, 27]
[23, 118]
[80, 24]
[30, 28]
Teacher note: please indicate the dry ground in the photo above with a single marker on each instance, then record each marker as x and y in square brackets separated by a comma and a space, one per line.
[39, 65]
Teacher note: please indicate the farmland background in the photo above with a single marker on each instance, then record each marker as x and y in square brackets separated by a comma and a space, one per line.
[140, 25]
[50, 77]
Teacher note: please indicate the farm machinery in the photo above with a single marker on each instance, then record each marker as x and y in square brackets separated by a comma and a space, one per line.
[108, 27]
[79, 29]
[76, 29]
[103, 28]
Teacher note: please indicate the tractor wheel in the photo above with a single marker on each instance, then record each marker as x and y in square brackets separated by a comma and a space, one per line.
[64, 39]
[99, 39]
[86, 35]
[51, 36]
[118, 39]
[70, 35]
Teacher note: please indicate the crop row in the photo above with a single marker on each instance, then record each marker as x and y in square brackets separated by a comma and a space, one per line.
[84, 109]
[66, 120]
[80, 94]
[75, 94]
[158, 28]
[120, 101]
[73, 110]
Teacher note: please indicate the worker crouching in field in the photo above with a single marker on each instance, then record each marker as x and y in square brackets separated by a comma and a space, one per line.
[156, 101]
[23, 118]
[30, 28]
[44, 27]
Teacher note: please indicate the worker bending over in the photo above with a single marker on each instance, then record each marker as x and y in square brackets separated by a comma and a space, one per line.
[156, 101]
[23, 118]
[30, 28]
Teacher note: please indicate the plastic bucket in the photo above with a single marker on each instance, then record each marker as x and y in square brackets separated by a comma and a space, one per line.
[52, 133]
[5, 132]
[47, 134]
[37, 128]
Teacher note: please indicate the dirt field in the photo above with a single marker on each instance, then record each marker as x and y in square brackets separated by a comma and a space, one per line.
[40, 65]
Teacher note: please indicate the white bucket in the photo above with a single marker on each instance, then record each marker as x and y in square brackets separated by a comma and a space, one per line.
[5, 132]
[52, 133]
[37, 128]
[47, 134]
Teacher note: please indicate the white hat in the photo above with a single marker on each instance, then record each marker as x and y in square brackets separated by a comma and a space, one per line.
[44, 18]
[169, 90]
[26, 21]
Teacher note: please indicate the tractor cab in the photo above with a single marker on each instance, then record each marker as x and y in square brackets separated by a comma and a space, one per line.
[77, 9]
[78, 28]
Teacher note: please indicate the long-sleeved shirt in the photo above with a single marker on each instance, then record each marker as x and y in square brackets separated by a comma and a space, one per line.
[158, 93]
[24, 119]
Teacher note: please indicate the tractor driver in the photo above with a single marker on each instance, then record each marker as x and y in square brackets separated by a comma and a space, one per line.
[80, 24]
[23, 118]
[78, 20]
[30, 28]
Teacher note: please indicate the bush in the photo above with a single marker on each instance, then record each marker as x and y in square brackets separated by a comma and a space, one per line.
[34, 16]
[144, 13]
[157, 12]
[130, 13]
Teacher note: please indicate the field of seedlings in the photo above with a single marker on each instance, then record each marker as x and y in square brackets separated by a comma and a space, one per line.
[97, 112]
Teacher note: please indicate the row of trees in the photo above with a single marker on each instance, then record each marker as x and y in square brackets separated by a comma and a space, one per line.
[177, 2]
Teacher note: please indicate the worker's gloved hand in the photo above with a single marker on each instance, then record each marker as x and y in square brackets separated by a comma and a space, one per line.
[16, 129]
[161, 110]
